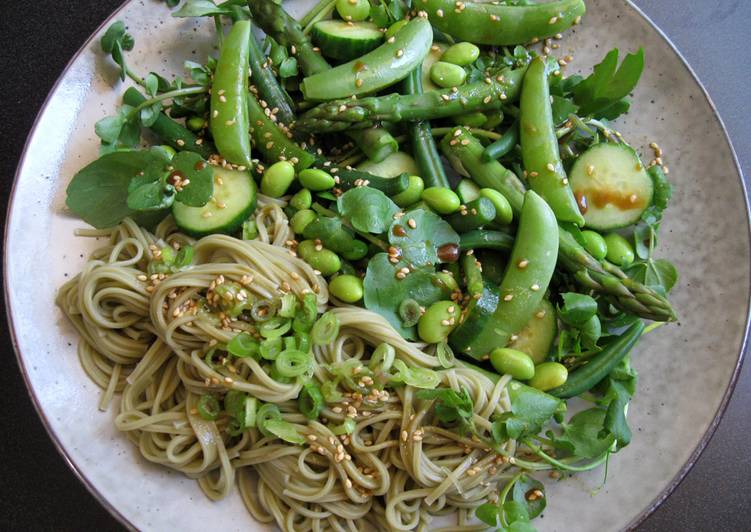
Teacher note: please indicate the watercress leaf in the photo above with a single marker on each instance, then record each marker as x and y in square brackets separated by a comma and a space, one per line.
[643, 235]
[562, 108]
[367, 209]
[190, 165]
[113, 35]
[489, 514]
[200, 8]
[529, 493]
[151, 84]
[530, 410]
[384, 292]
[98, 192]
[515, 511]
[582, 435]
[108, 128]
[198, 73]
[149, 115]
[615, 422]
[330, 230]
[661, 273]
[451, 407]
[590, 332]
[520, 526]
[151, 196]
[419, 245]
[130, 134]
[577, 308]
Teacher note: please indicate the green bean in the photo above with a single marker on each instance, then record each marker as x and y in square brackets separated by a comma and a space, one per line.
[549, 375]
[324, 260]
[512, 362]
[303, 199]
[229, 95]
[620, 251]
[301, 219]
[461, 53]
[472, 274]
[503, 145]
[375, 142]
[412, 194]
[595, 244]
[484, 239]
[268, 87]
[503, 24]
[441, 199]
[476, 119]
[316, 179]
[438, 321]
[277, 179]
[423, 144]
[391, 186]
[174, 134]
[446, 281]
[447, 75]
[473, 215]
[353, 10]
[539, 143]
[347, 288]
[504, 214]
[600, 365]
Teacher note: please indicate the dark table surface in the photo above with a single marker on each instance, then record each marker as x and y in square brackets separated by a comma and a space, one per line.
[37, 39]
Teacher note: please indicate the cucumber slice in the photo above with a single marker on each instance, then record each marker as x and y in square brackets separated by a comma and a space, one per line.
[435, 53]
[234, 191]
[537, 336]
[393, 165]
[467, 190]
[611, 186]
[345, 41]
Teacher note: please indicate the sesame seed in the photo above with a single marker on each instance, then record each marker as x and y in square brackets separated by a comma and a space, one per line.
[508, 297]
[465, 142]
[550, 167]
[522, 264]
[553, 20]
[405, 435]
[412, 223]
[399, 52]
[535, 287]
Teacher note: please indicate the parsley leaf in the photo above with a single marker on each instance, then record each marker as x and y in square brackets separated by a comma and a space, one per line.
[603, 93]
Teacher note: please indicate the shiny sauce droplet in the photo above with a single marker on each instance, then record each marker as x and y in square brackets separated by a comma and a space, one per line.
[200, 165]
[448, 252]
[581, 201]
[398, 230]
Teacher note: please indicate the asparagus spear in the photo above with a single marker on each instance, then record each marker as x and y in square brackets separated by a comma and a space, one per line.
[341, 115]
[274, 20]
[591, 274]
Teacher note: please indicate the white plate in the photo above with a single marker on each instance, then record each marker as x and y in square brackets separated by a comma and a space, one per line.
[687, 370]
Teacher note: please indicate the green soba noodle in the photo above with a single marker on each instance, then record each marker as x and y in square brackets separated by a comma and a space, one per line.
[144, 338]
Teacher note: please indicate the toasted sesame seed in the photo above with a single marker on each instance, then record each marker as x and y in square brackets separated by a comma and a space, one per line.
[522, 264]
[412, 223]
[550, 167]
[535, 287]
[553, 20]
[508, 297]
[399, 52]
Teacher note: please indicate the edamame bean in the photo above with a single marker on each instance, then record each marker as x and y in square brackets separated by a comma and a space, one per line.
[438, 321]
[195, 123]
[504, 214]
[595, 244]
[302, 200]
[412, 194]
[440, 199]
[395, 27]
[462, 54]
[620, 250]
[353, 10]
[324, 260]
[316, 180]
[347, 288]
[512, 362]
[549, 375]
[301, 219]
[277, 178]
[476, 119]
[447, 75]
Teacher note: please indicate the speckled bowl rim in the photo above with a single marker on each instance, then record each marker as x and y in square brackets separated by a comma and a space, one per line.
[656, 502]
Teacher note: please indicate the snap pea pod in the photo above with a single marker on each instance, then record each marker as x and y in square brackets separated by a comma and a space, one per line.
[474, 215]
[229, 95]
[388, 64]
[268, 86]
[484, 239]
[472, 274]
[503, 145]
[391, 186]
[274, 20]
[375, 142]
[169, 131]
[490, 23]
[341, 115]
[600, 365]
[539, 143]
[423, 144]
[271, 141]
[464, 152]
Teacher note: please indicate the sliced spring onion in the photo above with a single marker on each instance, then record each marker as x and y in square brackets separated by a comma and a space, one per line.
[208, 407]
[271, 348]
[302, 341]
[267, 412]
[325, 329]
[289, 304]
[251, 407]
[347, 427]
[167, 256]
[306, 315]
[234, 403]
[275, 327]
[330, 393]
[284, 430]
[410, 312]
[293, 363]
[250, 230]
[445, 354]
[417, 377]
[243, 345]
[310, 401]
[382, 358]
[289, 342]
[183, 258]
[263, 310]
